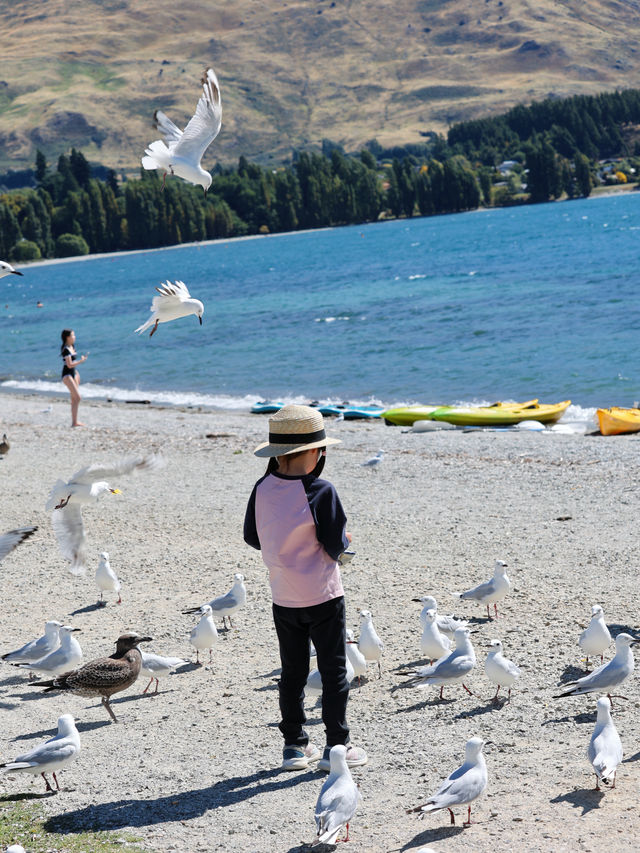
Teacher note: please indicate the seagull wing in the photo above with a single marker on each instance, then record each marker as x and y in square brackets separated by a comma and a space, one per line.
[69, 531]
[170, 131]
[205, 125]
[478, 593]
[52, 750]
[127, 465]
[13, 538]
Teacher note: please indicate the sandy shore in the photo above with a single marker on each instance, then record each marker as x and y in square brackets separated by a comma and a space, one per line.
[196, 767]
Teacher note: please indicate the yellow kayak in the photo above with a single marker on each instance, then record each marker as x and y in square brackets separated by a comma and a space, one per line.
[408, 415]
[615, 420]
[504, 414]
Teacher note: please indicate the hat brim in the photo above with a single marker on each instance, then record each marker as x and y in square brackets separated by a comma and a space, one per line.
[267, 449]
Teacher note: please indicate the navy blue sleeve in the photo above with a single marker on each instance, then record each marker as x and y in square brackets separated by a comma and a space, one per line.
[250, 529]
[329, 516]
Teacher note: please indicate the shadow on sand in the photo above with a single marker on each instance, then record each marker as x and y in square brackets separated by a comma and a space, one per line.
[586, 799]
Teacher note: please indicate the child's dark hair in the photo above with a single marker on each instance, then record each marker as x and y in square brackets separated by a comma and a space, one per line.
[65, 334]
[272, 465]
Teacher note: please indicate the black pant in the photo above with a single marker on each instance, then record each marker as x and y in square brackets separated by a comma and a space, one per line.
[325, 625]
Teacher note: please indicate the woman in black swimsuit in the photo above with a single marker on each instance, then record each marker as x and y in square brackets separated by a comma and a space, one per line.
[70, 375]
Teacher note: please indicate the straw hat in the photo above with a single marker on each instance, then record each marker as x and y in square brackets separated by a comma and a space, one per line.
[292, 429]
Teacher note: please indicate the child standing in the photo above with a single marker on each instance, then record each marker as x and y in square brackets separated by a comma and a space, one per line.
[297, 521]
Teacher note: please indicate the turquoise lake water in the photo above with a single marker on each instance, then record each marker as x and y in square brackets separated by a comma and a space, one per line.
[538, 301]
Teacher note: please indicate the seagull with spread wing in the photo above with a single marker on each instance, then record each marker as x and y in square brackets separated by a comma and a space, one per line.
[181, 152]
[67, 499]
[174, 302]
[11, 540]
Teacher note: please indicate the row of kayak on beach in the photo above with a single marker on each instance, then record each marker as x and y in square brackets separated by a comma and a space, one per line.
[612, 421]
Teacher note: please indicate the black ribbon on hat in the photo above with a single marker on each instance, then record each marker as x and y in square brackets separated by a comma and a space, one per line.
[296, 437]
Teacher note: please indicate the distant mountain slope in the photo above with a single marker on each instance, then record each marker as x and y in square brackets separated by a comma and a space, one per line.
[89, 73]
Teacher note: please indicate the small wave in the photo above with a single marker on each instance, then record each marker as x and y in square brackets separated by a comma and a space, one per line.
[419, 275]
[331, 319]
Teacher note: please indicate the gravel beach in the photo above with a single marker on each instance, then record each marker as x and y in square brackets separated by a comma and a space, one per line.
[196, 768]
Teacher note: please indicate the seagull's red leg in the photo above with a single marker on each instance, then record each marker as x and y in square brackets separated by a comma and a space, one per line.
[495, 607]
[597, 784]
[467, 689]
[488, 612]
[148, 686]
[614, 779]
[467, 822]
[119, 601]
[48, 788]
[497, 691]
[55, 779]
[156, 690]
[453, 820]
[441, 689]
[154, 328]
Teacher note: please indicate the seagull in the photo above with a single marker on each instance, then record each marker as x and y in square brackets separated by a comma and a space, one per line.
[67, 656]
[103, 676]
[374, 461]
[355, 656]
[37, 649]
[183, 151]
[595, 638]
[16, 848]
[174, 301]
[156, 667]
[490, 592]
[7, 269]
[605, 746]
[205, 634]
[106, 579]
[452, 669]
[11, 540]
[5, 447]
[338, 800]
[463, 786]
[433, 644]
[66, 501]
[499, 669]
[226, 605]
[609, 675]
[370, 644]
[313, 687]
[52, 755]
[446, 624]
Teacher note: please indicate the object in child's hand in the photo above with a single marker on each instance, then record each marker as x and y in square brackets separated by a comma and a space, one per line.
[346, 557]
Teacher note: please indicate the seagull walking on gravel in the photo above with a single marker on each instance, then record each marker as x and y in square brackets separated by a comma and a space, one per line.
[205, 633]
[433, 644]
[155, 667]
[173, 301]
[103, 676]
[11, 540]
[355, 656]
[67, 499]
[107, 579]
[228, 604]
[607, 677]
[369, 643]
[67, 656]
[50, 756]
[490, 592]
[595, 638]
[446, 624]
[605, 746]
[181, 152]
[338, 799]
[463, 786]
[37, 649]
[7, 269]
[374, 461]
[500, 670]
[452, 669]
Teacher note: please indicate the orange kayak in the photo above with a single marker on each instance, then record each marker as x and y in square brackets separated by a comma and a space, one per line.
[615, 421]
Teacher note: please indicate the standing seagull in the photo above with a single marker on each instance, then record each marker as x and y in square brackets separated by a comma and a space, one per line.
[227, 604]
[67, 656]
[446, 624]
[155, 667]
[37, 649]
[374, 461]
[67, 499]
[452, 669]
[358, 660]
[174, 301]
[463, 786]
[595, 638]
[104, 676]
[107, 579]
[338, 799]
[490, 592]
[51, 755]
[11, 540]
[605, 746]
[183, 151]
[205, 633]
[7, 269]
[370, 644]
[433, 644]
[500, 670]
[609, 675]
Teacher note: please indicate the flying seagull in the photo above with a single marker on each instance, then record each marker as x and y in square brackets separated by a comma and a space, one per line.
[11, 540]
[174, 301]
[7, 269]
[50, 756]
[183, 151]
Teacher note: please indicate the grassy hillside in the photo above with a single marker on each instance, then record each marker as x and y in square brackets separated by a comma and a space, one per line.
[89, 73]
